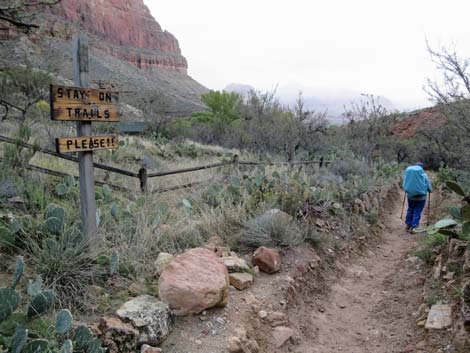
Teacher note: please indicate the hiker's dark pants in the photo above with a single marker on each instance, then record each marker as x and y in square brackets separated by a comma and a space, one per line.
[413, 215]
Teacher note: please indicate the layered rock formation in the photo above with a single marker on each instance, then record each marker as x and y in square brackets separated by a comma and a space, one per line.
[128, 48]
[122, 28]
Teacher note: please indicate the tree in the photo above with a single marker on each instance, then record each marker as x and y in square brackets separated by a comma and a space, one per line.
[23, 93]
[452, 94]
[20, 13]
[154, 106]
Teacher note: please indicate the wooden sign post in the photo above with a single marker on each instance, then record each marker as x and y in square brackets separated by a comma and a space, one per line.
[84, 105]
[85, 159]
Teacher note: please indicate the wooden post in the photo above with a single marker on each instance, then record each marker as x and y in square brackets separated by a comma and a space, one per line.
[321, 162]
[85, 159]
[143, 177]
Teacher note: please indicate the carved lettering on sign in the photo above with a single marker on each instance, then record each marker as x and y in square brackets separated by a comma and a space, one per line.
[84, 104]
[82, 144]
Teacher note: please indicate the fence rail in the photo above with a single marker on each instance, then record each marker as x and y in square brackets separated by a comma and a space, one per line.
[143, 175]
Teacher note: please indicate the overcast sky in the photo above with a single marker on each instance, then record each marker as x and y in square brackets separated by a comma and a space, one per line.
[369, 46]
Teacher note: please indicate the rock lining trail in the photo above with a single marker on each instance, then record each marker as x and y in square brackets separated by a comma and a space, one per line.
[370, 306]
[366, 306]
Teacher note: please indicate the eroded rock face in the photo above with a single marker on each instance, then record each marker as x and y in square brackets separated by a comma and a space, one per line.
[193, 282]
[123, 28]
[151, 317]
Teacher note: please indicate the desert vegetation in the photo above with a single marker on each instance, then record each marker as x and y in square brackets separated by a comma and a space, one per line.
[287, 180]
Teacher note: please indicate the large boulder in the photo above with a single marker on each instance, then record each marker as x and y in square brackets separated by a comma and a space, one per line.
[193, 282]
[150, 316]
[268, 260]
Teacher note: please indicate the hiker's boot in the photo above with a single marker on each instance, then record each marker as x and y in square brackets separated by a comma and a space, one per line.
[408, 227]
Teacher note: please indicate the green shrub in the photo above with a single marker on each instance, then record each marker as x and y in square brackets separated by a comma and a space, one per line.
[269, 229]
[67, 264]
[426, 254]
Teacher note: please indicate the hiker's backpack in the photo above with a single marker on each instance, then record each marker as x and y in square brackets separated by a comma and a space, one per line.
[415, 181]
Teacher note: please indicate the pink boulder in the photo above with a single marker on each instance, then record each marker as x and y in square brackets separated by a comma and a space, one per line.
[268, 260]
[193, 282]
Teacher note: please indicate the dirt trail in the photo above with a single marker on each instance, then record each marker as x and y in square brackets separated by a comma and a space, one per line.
[370, 307]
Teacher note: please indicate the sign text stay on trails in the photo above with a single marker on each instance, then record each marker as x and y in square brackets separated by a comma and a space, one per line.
[84, 104]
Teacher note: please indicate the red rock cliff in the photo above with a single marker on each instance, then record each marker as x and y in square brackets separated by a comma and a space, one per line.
[123, 28]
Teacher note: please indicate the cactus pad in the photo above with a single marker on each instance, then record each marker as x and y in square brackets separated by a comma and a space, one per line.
[41, 303]
[9, 300]
[83, 338]
[35, 287]
[64, 322]
[37, 346]
[19, 339]
[114, 263]
[95, 346]
[67, 347]
[19, 268]
[55, 219]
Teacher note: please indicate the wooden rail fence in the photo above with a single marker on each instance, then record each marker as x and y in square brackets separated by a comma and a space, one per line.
[143, 175]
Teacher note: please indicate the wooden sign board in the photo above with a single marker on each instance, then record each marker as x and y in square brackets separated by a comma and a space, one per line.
[89, 143]
[84, 104]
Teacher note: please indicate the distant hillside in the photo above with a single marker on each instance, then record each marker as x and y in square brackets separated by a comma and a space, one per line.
[128, 47]
[321, 100]
[423, 119]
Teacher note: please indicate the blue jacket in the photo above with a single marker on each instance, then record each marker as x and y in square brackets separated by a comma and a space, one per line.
[416, 183]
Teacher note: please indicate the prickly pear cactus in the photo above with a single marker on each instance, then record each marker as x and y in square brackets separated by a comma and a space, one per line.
[114, 263]
[83, 337]
[9, 300]
[19, 268]
[35, 287]
[67, 347]
[63, 322]
[36, 346]
[54, 219]
[41, 303]
[18, 341]
[95, 346]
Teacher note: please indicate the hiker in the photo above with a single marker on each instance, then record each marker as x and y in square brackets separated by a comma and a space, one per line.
[416, 185]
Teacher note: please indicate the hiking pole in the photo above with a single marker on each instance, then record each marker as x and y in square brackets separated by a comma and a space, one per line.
[429, 208]
[403, 206]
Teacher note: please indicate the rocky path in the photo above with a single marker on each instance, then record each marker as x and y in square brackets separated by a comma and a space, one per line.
[370, 308]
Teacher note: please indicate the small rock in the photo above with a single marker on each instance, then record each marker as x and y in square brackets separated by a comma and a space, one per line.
[420, 311]
[256, 269]
[198, 342]
[268, 260]
[151, 317]
[117, 336]
[137, 288]
[421, 323]
[149, 349]
[281, 335]
[262, 314]
[241, 280]
[162, 261]
[234, 264]
[234, 345]
[440, 317]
